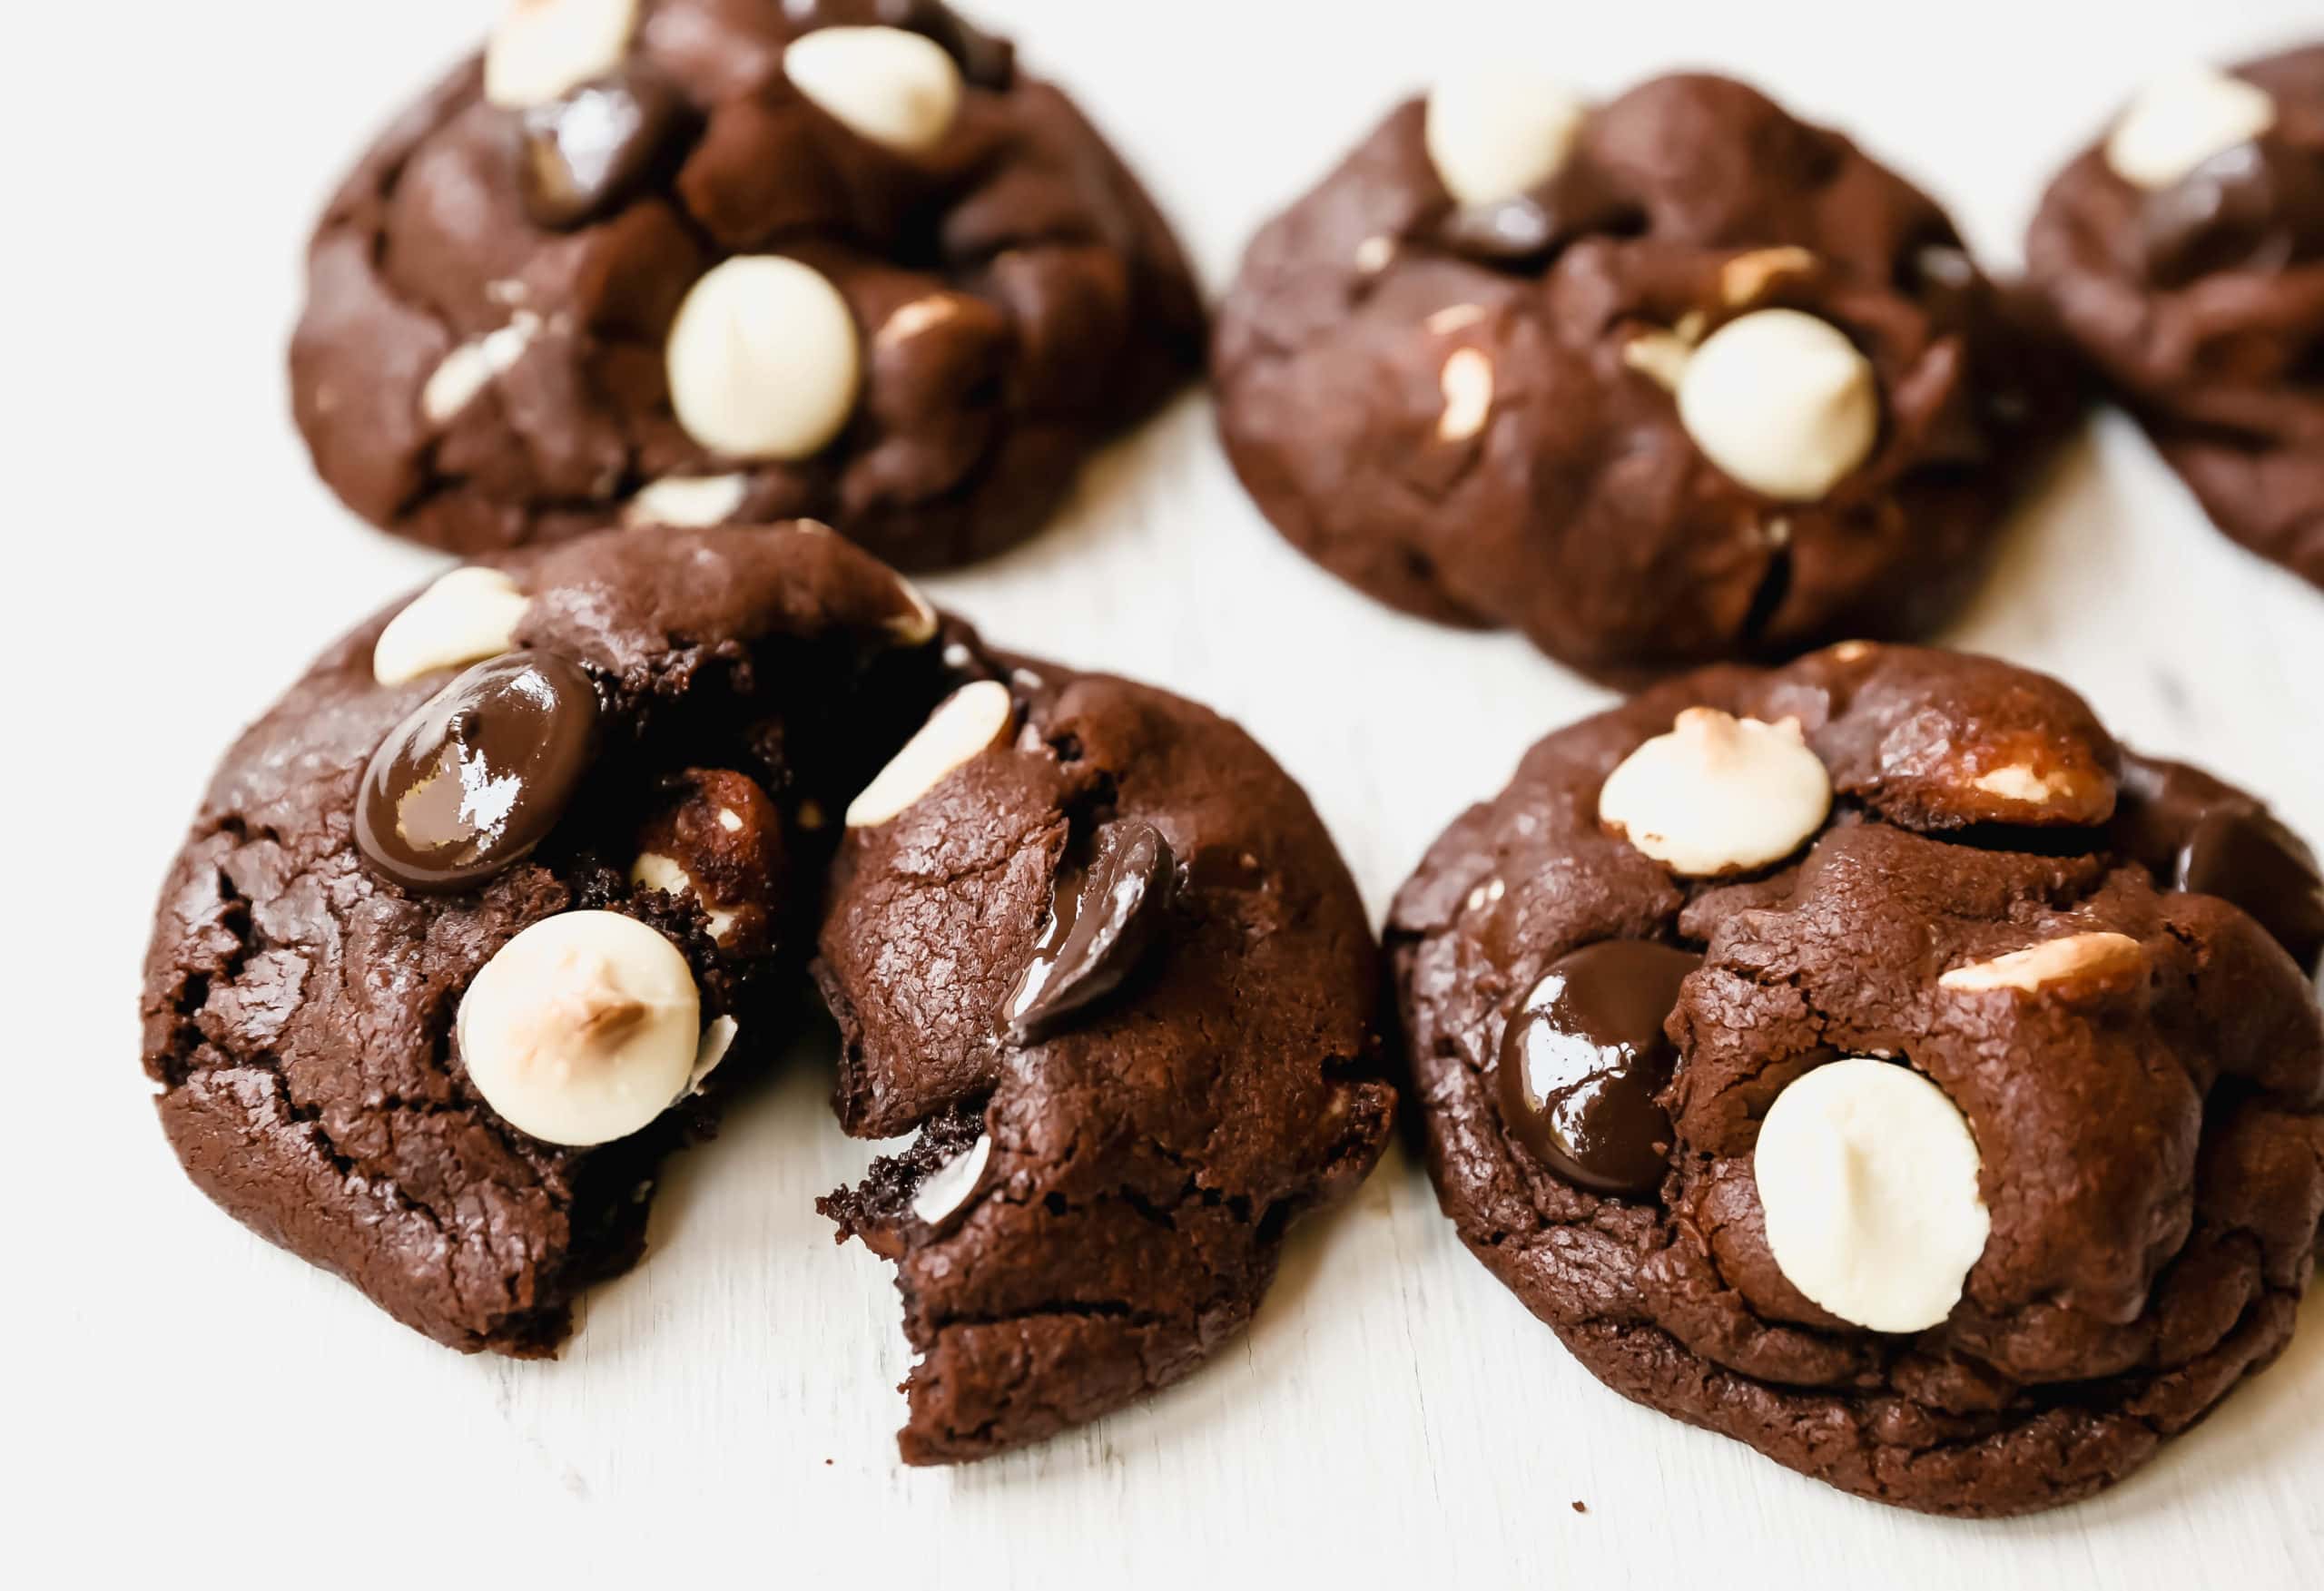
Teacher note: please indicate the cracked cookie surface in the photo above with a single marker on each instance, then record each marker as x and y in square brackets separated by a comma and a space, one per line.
[1097, 1199]
[471, 376]
[2145, 1089]
[1467, 410]
[299, 1011]
[2202, 302]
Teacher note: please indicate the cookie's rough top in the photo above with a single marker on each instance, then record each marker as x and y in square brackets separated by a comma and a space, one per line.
[635, 261]
[299, 1007]
[1155, 1045]
[2184, 253]
[1556, 410]
[2006, 923]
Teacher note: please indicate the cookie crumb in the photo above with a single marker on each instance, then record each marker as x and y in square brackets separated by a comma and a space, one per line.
[1580, 1507]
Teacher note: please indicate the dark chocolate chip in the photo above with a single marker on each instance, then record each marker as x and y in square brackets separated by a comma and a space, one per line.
[1506, 232]
[1583, 1061]
[2244, 856]
[1102, 920]
[582, 154]
[1520, 231]
[469, 784]
[2257, 206]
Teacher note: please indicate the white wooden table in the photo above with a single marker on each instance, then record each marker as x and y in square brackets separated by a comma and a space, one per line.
[182, 1395]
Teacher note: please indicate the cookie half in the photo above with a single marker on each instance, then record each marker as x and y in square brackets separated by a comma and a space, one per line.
[463, 917]
[1664, 381]
[1107, 962]
[706, 262]
[2184, 253]
[1870, 1061]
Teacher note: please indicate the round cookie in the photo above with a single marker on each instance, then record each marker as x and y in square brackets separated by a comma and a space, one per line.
[1868, 1060]
[1153, 1043]
[2184, 253]
[1674, 380]
[661, 725]
[704, 261]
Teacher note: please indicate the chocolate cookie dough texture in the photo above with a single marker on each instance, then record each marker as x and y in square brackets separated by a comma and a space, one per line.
[693, 263]
[1155, 1046]
[1871, 1061]
[468, 924]
[1671, 379]
[503, 899]
[2184, 253]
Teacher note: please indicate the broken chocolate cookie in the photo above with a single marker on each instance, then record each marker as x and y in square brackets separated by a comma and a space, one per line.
[1152, 1045]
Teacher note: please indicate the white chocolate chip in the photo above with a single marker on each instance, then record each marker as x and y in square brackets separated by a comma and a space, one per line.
[1718, 794]
[471, 367]
[911, 319]
[917, 627]
[2177, 122]
[1867, 1176]
[949, 1187]
[1782, 403]
[716, 1040]
[1743, 279]
[583, 1029]
[1454, 317]
[2018, 782]
[688, 502]
[897, 88]
[970, 720]
[466, 616]
[1466, 382]
[730, 820]
[543, 49]
[1376, 254]
[763, 359]
[1492, 134]
[654, 870]
[2092, 955]
[1659, 356]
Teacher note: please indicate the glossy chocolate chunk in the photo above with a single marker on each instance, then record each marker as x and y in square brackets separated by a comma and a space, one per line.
[476, 777]
[1102, 920]
[2258, 206]
[1524, 229]
[2192, 833]
[2243, 855]
[582, 154]
[1582, 1063]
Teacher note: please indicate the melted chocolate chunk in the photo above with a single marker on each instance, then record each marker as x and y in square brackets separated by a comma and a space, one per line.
[1102, 920]
[2245, 855]
[2194, 833]
[2258, 206]
[1582, 1064]
[1524, 230]
[582, 154]
[476, 777]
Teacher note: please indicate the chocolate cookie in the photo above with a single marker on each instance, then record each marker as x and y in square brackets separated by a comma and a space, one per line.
[701, 261]
[506, 896]
[466, 920]
[2185, 254]
[1151, 1045]
[1870, 1061]
[1669, 381]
